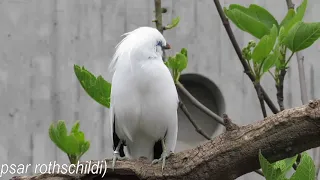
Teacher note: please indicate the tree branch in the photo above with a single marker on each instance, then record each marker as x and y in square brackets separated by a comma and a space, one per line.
[230, 126]
[279, 136]
[245, 65]
[198, 104]
[188, 115]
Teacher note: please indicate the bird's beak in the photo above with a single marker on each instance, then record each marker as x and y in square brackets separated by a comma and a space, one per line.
[167, 46]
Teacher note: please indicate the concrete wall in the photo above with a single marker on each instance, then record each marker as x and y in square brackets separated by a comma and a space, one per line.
[41, 40]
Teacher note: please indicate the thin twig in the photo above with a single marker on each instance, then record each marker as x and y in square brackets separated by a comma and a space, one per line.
[269, 102]
[158, 14]
[188, 115]
[257, 86]
[198, 104]
[158, 21]
[290, 4]
[245, 65]
[279, 87]
[279, 84]
[230, 126]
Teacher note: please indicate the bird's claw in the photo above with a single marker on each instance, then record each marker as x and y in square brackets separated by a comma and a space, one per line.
[163, 158]
[115, 157]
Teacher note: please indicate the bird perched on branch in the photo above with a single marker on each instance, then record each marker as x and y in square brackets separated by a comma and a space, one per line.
[144, 99]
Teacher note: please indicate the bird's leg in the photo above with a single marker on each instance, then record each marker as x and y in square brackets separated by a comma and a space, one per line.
[116, 155]
[163, 157]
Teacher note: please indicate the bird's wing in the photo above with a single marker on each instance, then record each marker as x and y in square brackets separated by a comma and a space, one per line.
[124, 104]
[172, 134]
[115, 137]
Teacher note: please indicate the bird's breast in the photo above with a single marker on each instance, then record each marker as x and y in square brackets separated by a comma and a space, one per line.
[145, 100]
[158, 98]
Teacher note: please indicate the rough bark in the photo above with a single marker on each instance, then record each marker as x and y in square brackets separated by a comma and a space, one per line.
[227, 156]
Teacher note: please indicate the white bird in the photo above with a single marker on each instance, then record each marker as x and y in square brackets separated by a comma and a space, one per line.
[144, 99]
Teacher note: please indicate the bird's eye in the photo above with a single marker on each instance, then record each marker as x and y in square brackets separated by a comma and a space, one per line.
[159, 43]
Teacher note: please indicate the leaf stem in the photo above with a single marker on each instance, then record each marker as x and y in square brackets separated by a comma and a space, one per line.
[260, 68]
[272, 75]
[250, 68]
[73, 159]
[289, 59]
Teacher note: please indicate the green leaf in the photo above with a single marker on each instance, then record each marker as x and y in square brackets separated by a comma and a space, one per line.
[62, 129]
[79, 136]
[72, 145]
[184, 51]
[280, 165]
[178, 62]
[297, 17]
[271, 59]
[97, 88]
[255, 20]
[259, 13]
[281, 35]
[171, 62]
[54, 136]
[305, 169]
[58, 134]
[68, 143]
[265, 45]
[289, 163]
[75, 127]
[290, 14]
[302, 35]
[247, 23]
[173, 23]
[181, 61]
[302, 9]
[270, 171]
[85, 147]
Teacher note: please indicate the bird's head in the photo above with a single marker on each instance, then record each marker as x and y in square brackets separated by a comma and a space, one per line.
[148, 39]
[144, 43]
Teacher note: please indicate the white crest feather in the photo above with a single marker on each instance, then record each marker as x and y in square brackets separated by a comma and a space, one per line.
[133, 41]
